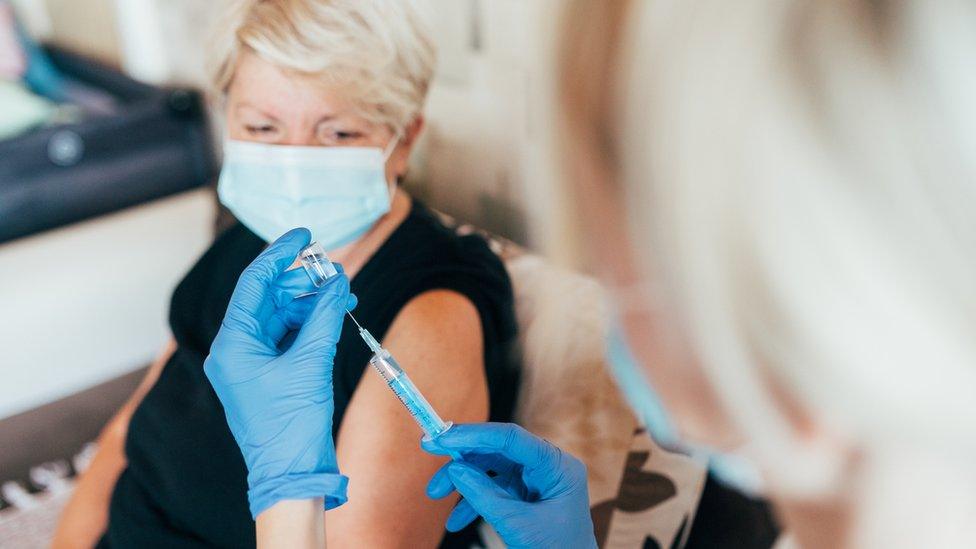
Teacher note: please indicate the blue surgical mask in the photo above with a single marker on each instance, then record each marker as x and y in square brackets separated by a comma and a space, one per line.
[337, 193]
[643, 400]
[732, 470]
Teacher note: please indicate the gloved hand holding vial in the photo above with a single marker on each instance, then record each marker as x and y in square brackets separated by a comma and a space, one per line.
[278, 402]
[277, 396]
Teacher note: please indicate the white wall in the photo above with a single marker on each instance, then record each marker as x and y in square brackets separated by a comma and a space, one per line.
[484, 128]
[85, 25]
[88, 302]
[33, 14]
[163, 41]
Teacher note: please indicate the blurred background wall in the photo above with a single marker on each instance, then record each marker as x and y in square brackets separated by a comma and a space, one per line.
[87, 26]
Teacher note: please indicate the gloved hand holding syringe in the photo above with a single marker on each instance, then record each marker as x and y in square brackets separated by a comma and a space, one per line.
[319, 268]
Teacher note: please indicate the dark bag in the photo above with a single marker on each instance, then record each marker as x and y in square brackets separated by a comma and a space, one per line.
[157, 143]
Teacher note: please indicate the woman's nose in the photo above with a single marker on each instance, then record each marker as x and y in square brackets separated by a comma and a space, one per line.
[298, 139]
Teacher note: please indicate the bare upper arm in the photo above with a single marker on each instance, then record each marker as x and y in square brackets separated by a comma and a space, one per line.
[437, 338]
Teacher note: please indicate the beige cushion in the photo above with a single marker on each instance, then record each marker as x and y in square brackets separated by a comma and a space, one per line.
[637, 490]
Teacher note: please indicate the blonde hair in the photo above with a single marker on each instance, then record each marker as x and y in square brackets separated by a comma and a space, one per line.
[801, 176]
[379, 51]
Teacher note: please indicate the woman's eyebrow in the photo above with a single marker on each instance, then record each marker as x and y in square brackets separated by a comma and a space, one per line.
[246, 105]
[328, 118]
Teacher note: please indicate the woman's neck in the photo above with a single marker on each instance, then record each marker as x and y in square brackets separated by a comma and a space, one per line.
[354, 256]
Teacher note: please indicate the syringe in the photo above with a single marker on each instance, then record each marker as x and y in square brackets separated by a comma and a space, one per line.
[320, 269]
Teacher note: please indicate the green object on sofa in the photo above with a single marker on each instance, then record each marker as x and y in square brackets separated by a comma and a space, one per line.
[21, 110]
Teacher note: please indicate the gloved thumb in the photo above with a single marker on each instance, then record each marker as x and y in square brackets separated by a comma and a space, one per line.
[319, 335]
[490, 500]
[253, 289]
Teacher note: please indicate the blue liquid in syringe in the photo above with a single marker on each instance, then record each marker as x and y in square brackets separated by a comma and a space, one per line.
[418, 406]
[421, 410]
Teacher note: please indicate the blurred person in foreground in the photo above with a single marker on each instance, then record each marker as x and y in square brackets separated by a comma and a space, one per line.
[781, 197]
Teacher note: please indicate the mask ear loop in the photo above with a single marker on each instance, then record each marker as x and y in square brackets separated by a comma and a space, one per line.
[391, 146]
[387, 152]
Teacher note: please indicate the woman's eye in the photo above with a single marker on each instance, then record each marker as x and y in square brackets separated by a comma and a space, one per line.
[339, 137]
[260, 130]
[346, 136]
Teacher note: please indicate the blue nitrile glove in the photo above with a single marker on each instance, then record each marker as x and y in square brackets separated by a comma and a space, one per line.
[271, 367]
[531, 492]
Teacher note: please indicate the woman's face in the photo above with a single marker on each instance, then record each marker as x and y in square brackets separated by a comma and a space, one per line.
[266, 104]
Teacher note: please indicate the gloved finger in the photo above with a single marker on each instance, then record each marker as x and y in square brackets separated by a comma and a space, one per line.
[482, 494]
[250, 304]
[544, 466]
[290, 285]
[498, 468]
[484, 461]
[284, 324]
[289, 318]
[440, 485]
[352, 301]
[462, 515]
[287, 341]
[295, 283]
[319, 335]
[507, 439]
[505, 473]
[431, 446]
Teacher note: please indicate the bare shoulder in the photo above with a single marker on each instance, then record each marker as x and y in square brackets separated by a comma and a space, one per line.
[438, 315]
[437, 338]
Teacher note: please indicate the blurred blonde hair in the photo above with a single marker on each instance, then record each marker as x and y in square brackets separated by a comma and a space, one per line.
[801, 176]
[380, 52]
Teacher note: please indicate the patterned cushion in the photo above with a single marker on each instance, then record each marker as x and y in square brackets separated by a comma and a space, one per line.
[641, 496]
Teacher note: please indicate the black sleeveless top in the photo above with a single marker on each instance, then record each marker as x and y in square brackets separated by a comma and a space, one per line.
[185, 482]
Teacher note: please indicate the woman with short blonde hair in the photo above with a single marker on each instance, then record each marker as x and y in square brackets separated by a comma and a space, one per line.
[322, 104]
[379, 54]
[790, 188]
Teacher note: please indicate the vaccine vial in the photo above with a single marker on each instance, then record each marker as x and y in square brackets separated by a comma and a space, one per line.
[317, 264]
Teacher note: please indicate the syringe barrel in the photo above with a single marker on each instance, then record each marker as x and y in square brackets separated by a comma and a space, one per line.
[399, 382]
[387, 366]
